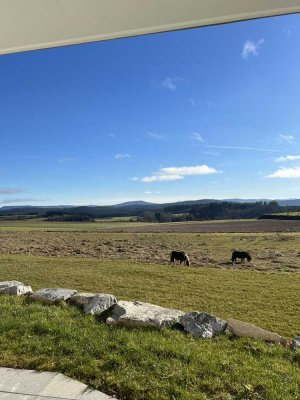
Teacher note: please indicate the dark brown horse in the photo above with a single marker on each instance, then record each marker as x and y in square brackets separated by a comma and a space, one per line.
[240, 254]
[179, 256]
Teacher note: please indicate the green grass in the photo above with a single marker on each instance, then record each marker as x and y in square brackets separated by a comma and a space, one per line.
[42, 225]
[143, 364]
[270, 300]
[118, 219]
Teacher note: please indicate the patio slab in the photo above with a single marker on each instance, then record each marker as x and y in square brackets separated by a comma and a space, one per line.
[21, 384]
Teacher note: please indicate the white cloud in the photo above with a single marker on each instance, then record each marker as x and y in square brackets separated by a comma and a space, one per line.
[286, 138]
[161, 178]
[170, 83]
[147, 192]
[241, 148]
[122, 156]
[187, 171]
[288, 158]
[197, 136]
[156, 136]
[134, 179]
[251, 48]
[286, 173]
[178, 173]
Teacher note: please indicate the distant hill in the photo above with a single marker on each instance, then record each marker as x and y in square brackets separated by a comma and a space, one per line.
[134, 203]
[181, 210]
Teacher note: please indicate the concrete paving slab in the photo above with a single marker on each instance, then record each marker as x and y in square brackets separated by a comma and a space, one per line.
[63, 387]
[25, 381]
[95, 395]
[20, 384]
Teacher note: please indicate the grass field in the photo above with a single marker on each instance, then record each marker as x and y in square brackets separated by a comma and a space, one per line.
[270, 251]
[147, 364]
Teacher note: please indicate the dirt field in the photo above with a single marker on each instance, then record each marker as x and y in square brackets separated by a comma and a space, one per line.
[270, 251]
[213, 226]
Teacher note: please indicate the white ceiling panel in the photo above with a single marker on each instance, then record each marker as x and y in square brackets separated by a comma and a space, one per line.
[37, 24]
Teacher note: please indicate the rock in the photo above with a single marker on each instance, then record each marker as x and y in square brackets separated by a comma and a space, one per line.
[295, 343]
[52, 296]
[202, 324]
[15, 288]
[240, 328]
[81, 299]
[137, 314]
[100, 303]
[94, 304]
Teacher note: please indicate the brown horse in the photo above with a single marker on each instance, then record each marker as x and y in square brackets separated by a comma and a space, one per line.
[240, 254]
[179, 256]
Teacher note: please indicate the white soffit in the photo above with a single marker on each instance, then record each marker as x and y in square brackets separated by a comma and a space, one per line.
[38, 24]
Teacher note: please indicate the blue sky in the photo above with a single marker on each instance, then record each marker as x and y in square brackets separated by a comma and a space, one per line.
[203, 113]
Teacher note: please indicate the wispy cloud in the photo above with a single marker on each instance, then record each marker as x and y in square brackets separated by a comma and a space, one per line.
[288, 158]
[122, 156]
[286, 173]
[11, 190]
[66, 160]
[170, 83]
[212, 153]
[242, 148]
[148, 192]
[287, 32]
[111, 135]
[192, 102]
[20, 200]
[197, 137]
[178, 173]
[286, 138]
[134, 178]
[156, 136]
[251, 48]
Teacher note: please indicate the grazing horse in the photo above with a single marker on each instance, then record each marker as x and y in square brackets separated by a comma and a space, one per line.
[240, 254]
[179, 256]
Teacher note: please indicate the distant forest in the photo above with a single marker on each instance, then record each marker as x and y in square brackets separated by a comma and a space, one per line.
[211, 211]
[174, 212]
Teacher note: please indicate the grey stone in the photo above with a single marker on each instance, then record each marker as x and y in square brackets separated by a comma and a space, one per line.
[295, 343]
[99, 303]
[201, 324]
[15, 288]
[81, 299]
[136, 314]
[51, 296]
[240, 328]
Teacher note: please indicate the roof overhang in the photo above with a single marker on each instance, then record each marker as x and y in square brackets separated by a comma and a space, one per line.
[39, 24]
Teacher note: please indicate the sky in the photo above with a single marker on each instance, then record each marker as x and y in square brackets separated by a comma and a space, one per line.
[211, 112]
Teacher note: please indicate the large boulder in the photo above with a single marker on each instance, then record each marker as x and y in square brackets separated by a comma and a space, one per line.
[201, 324]
[81, 299]
[15, 288]
[94, 304]
[136, 314]
[52, 296]
[240, 328]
